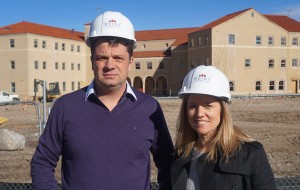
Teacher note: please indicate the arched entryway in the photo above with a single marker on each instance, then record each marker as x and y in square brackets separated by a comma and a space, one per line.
[149, 86]
[161, 86]
[138, 83]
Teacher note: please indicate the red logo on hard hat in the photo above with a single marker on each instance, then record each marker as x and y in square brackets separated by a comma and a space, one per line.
[112, 23]
[201, 77]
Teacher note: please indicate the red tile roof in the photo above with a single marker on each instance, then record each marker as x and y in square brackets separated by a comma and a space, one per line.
[180, 35]
[285, 22]
[220, 20]
[39, 29]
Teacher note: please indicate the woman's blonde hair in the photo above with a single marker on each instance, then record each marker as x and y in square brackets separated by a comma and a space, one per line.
[226, 140]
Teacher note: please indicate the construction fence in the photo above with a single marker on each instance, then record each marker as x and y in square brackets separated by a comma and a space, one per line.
[272, 120]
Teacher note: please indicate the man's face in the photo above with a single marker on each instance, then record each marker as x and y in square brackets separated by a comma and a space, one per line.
[111, 64]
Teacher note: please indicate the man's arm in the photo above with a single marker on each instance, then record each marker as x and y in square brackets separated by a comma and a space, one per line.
[162, 149]
[46, 156]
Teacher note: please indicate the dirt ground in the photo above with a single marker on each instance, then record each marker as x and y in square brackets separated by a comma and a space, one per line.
[275, 122]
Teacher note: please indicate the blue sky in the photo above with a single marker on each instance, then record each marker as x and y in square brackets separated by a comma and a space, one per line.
[145, 15]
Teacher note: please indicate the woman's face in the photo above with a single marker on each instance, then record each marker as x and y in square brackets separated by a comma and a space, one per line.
[204, 114]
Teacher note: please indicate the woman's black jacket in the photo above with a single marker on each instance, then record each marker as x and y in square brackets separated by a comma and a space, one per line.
[248, 169]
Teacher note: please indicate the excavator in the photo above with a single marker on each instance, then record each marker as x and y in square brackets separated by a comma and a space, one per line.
[51, 93]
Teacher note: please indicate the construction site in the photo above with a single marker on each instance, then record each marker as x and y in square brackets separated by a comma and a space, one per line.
[273, 121]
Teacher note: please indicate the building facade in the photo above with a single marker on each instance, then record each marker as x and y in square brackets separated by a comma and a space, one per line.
[259, 53]
[31, 51]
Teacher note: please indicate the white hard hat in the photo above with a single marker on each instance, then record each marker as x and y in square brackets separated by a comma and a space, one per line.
[113, 24]
[206, 80]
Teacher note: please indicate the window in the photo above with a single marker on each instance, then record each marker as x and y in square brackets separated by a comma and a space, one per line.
[12, 65]
[258, 40]
[181, 64]
[63, 66]
[56, 65]
[247, 63]
[63, 46]
[283, 41]
[282, 63]
[192, 42]
[231, 86]
[72, 66]
[36, 65]
[231, 39]
[271, 63]
[44, 65]
[78, 66]
[258, 85]
[161, 65]
[206, 39]
[272, 85]
[149, 65]
[78, 48]
[35, 43]
[137, 65]
[295, 41]
[281, 85]
[44, 44]
[12, 43]
[56, 46]
[73, 86]
[78, 85]
[199, 41]
[271, 40]
[294, 62]
[144, 46]
[13, 87]
[72, 47]
[64, 86]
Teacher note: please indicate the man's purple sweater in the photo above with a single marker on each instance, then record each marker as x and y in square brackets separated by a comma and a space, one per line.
[102, 149]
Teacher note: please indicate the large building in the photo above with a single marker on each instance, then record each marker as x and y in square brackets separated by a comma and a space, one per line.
[31, 51]
[259, 53]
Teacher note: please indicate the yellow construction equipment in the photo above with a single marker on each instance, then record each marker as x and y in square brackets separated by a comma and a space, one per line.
[3, 120]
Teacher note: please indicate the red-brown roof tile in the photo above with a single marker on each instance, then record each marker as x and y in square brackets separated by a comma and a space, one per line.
[220, 20]
[285, 22]
[180, 35]
[39, 29]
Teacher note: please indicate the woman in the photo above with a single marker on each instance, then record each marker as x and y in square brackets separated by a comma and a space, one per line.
[212, 153]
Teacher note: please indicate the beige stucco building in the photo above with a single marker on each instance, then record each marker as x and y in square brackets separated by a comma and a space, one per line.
[31, 51]
[259, 53]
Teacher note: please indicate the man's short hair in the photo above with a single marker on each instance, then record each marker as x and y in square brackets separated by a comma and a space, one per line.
[113, 41]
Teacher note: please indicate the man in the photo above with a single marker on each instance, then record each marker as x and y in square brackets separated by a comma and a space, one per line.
[105, 131]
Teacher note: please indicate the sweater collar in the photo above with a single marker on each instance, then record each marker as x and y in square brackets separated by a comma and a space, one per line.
[91, 90]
